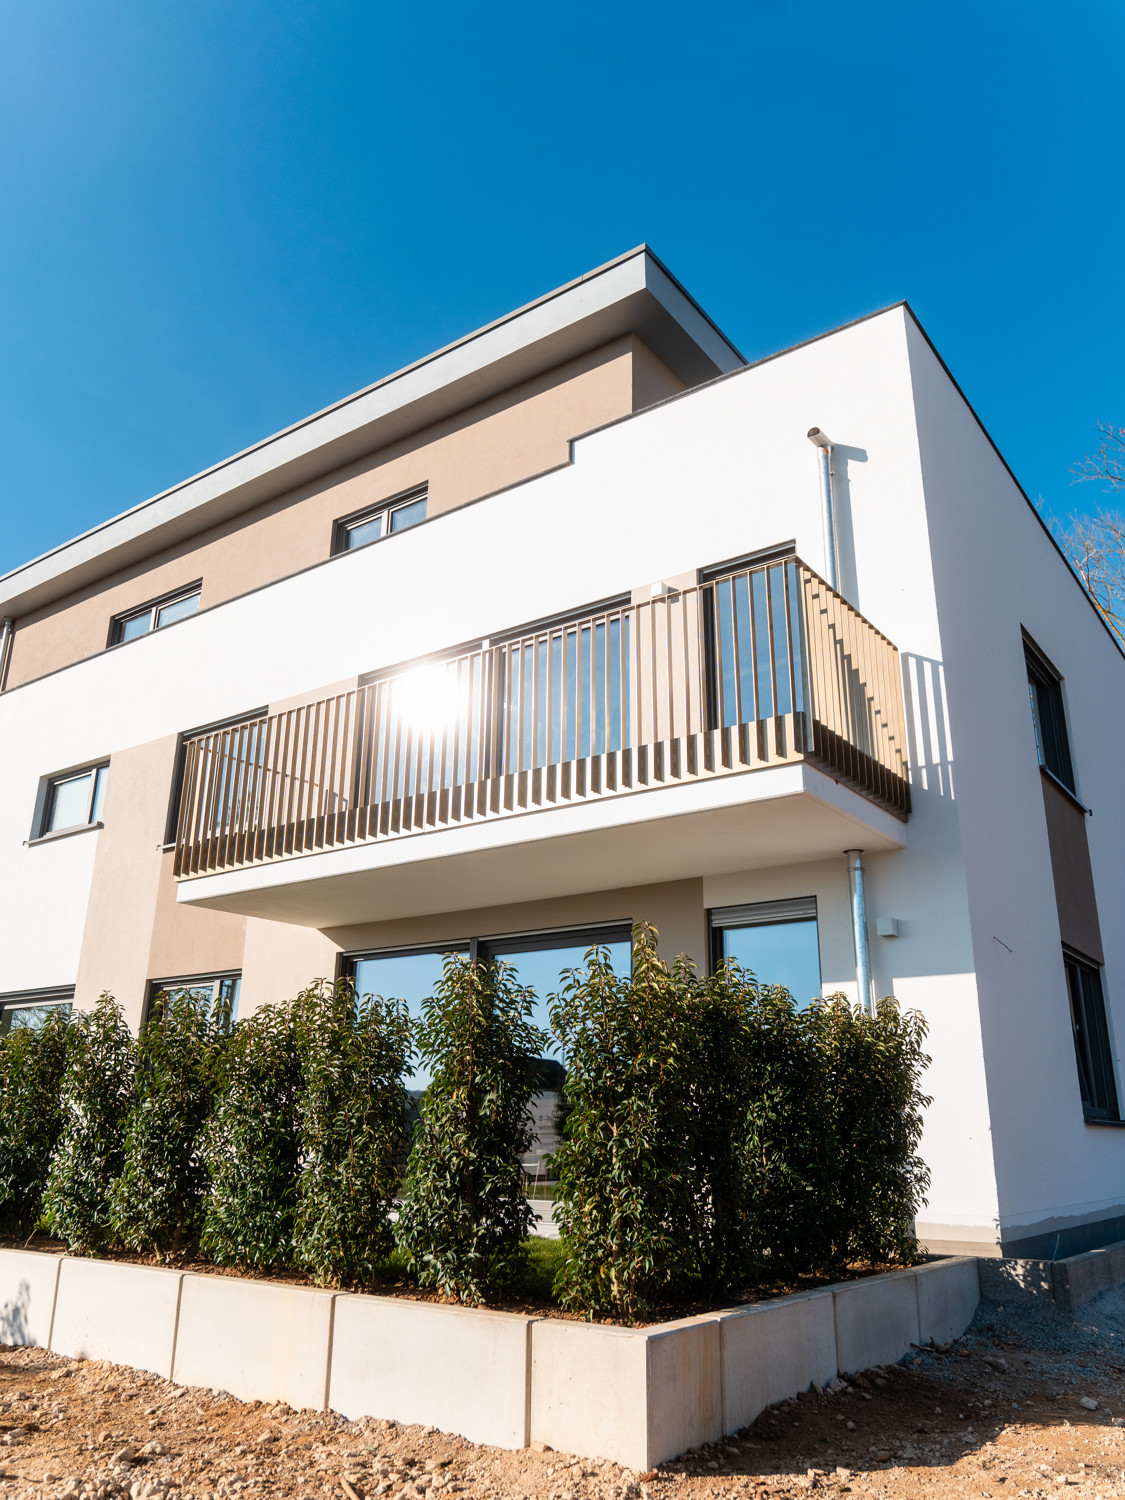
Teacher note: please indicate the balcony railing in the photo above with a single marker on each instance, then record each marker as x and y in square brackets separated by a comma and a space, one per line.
[759, 668]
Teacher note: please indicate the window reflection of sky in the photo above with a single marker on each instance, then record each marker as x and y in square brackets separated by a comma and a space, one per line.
[413, 977]
[785, 953]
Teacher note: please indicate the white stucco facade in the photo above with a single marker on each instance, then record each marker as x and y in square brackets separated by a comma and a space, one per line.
[938, 548]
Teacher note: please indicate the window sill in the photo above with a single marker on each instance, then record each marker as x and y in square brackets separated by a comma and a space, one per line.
[1113, 1124]
[1065, 790]
[63, 833]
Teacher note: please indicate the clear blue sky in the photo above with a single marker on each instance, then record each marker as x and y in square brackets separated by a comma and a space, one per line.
[218, 217]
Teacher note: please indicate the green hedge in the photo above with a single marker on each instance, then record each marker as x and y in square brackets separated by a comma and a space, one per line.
[714, 1133]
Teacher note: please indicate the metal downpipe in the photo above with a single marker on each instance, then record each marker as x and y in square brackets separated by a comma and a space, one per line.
[824, 444]
[854, 858]
[5, 648]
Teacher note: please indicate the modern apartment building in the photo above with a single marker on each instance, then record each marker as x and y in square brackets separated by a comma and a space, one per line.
[569, 625]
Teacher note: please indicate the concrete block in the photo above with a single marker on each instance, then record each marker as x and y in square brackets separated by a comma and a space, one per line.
[876, 1320]
[1080, 1278]
[125, 1314]
[774, 1350]
[589, 1390]
[28, 1282]
[259, 1340]
[459, 1369]
[1008, 1279]
[948, 1293]
[636, 1396]
[685, 1391]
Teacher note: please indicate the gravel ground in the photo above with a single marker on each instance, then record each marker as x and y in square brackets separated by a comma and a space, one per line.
[1027, 1403]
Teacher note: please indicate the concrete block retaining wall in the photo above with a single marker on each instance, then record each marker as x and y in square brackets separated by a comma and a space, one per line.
[637, 1396]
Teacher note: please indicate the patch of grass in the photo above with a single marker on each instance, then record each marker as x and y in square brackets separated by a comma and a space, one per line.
[542, 1192]
[544, 1258]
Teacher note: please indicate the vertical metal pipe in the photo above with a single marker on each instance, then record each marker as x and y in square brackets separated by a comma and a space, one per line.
[5, 648]
[854, 858]
[829, 514]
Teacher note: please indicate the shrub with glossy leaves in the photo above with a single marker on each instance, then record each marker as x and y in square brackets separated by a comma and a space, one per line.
[251, 1145]
[717, 1133]
[351, 1121]
[97, 1091]
[872, 1182]
[32, 1063]
[626, 1199]
[158, 1200]
[465, 1218]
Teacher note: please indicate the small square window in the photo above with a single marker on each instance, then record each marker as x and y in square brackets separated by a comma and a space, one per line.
[74, 800]
[378, 521]
[154, 615]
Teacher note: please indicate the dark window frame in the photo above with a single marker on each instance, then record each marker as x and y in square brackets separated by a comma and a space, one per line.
[152, 608]
[45, 803]
[1048, 716]
[1093, 1049]
[52, 995]
[495, 945]
[179, 765]
[156, 987]
[768, 914]
[343, 527]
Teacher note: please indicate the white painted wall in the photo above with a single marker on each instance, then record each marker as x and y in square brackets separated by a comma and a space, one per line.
[996, 570]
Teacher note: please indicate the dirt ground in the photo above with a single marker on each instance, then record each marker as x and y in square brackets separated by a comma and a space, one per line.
[1027, 1403]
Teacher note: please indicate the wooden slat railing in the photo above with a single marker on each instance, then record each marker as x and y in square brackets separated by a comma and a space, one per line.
[765, 666]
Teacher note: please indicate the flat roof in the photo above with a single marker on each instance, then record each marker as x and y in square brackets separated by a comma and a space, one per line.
[635, 293]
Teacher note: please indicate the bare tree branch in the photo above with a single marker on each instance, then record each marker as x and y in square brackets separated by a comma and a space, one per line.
[1095, 546]
[1107, 465]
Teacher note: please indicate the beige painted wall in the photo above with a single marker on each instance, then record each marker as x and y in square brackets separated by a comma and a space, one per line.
[675, 909]
[134, 930]
[279, 960]
[499, 442]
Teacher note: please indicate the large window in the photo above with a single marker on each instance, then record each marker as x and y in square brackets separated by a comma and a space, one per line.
[1091, 1038]
[156, 613]
[209, 992]
[775, 940]
[28, 1010]
[72, 801]
[378, 521]
[1047, 716]
[538, 959]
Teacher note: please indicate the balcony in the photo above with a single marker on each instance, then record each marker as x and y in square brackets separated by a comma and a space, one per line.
[763, 688]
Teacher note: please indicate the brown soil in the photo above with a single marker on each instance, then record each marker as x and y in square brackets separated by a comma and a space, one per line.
[998, 1414]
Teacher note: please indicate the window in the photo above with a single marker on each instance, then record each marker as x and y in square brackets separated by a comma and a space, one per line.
[73, 801]
[179, 766]
[28, 1011]
[208, 991]
[752, 640]
[158, 612]
[1047, 716]
[538, 958]
[776, 941]
[379, 521]
[1091, 1038]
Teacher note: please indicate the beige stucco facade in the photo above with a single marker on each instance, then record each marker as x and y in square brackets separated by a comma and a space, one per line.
[510, 437]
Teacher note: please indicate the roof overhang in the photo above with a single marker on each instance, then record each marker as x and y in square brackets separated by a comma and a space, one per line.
[633, 294]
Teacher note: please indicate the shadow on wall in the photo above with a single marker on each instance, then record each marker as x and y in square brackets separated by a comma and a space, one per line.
[13, 1318]
[927, 724]
[848, 578]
